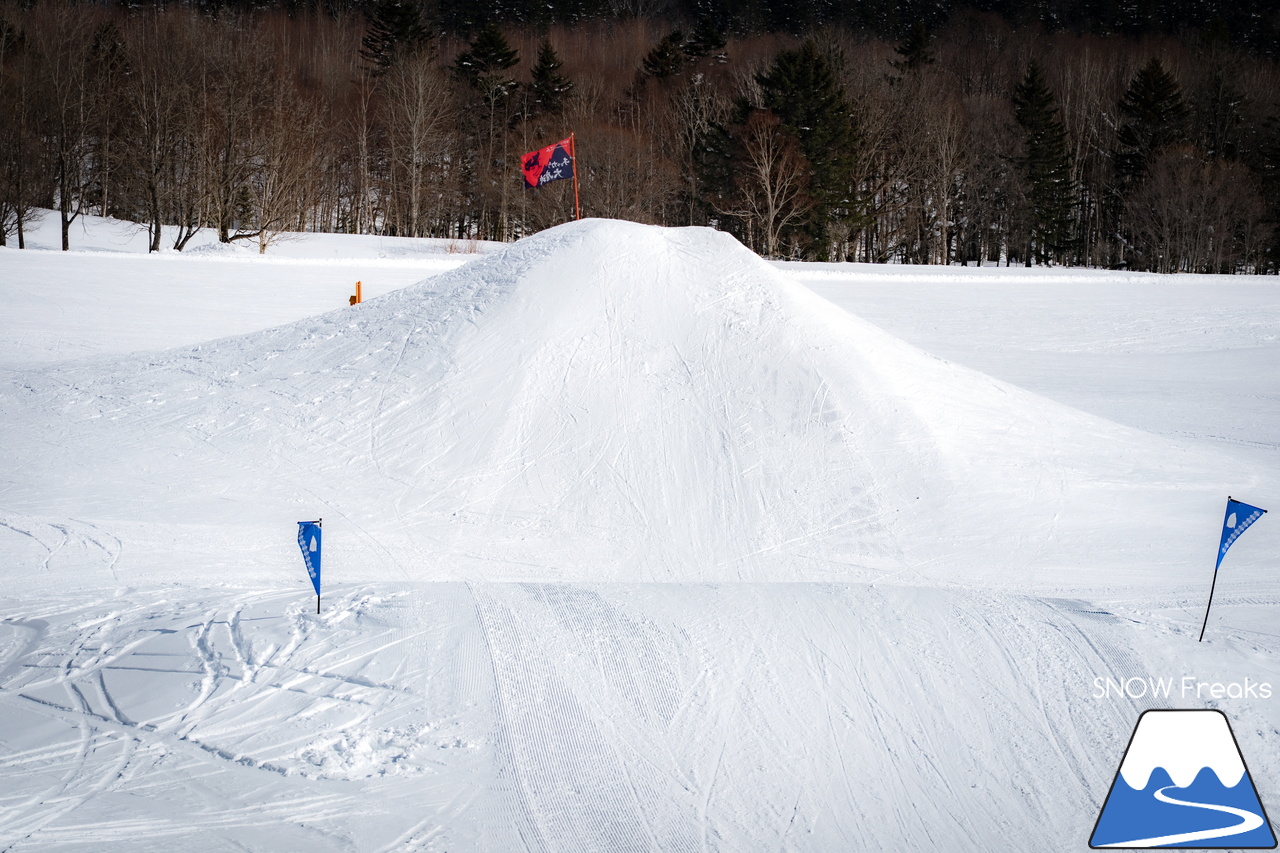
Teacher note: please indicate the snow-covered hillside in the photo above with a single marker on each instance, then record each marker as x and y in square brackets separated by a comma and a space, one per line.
[633, 542]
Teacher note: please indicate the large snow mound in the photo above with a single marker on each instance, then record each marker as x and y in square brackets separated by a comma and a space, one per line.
[601, 401]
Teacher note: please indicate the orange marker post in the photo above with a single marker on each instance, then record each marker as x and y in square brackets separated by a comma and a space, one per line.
[359, 295]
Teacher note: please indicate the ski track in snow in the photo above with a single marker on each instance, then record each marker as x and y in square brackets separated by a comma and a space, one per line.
[260, 705]
[617, 717]
[716, 567]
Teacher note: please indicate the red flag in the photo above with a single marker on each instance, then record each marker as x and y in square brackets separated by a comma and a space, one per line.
[553, 163]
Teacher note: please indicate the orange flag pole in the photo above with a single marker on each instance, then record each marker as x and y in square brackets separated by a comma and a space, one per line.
[573, 151]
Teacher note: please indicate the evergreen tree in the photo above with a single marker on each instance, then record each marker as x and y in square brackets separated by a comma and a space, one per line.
[395, 31]
[1155, 116]
[486, 121]
[486, 60]
[915, 50]
[706, 40]
[1046, 166]
[549, 87]
[1223, 119]
[667, 57]
[802, 89]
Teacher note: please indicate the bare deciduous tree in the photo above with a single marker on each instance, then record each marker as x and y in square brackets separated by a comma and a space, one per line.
[24, 174]
[62, 47]
[1196, 214]
[695, 108]
[419, 111]
[234, 95]
[282, 185]
[155, 96]
[252, 122]
[771, 180]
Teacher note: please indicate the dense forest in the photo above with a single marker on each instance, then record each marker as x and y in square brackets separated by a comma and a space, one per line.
[1133, 134]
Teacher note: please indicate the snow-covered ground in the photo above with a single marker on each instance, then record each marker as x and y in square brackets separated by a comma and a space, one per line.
[108, 296]
[1191, 357]
[633, 542]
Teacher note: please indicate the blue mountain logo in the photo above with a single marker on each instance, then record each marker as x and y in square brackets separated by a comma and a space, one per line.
[1183, 783]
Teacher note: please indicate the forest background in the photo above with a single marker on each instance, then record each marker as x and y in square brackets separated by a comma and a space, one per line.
[1141, 135]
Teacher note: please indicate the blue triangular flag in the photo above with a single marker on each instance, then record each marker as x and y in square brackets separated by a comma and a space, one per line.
[309, 542]
[1239, 517]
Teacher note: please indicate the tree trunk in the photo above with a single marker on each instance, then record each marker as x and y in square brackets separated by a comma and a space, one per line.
[156, 226]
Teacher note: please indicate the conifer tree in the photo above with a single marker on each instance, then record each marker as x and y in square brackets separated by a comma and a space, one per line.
[549, 87]
[484, 62]
[667, 57]
[486, 123]
[1046, 166]
[395, 31]
[1155, 116]
[705, 40]
[802, 89]
[915, 50]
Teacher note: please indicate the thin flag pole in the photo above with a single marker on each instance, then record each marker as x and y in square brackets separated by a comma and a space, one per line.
[573, 149]
[320, 524]
[1206, 610]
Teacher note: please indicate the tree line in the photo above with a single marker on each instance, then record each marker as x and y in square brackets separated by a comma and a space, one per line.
[977, 140]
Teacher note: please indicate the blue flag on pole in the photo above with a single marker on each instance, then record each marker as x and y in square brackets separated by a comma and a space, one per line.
[1239, 517]
[309, 542]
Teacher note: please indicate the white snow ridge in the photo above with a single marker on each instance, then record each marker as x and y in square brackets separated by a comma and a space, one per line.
[632, 543]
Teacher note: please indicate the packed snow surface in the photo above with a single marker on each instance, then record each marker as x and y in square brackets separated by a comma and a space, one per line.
[632, 542]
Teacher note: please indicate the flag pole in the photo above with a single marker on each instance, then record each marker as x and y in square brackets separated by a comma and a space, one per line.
[320, 524]
[1212, 585]
[1206, 609]
[573, 147]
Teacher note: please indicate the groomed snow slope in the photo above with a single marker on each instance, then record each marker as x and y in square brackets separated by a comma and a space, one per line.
[108, 296]
[1173, 355]
[632, 543]
[603, 401]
